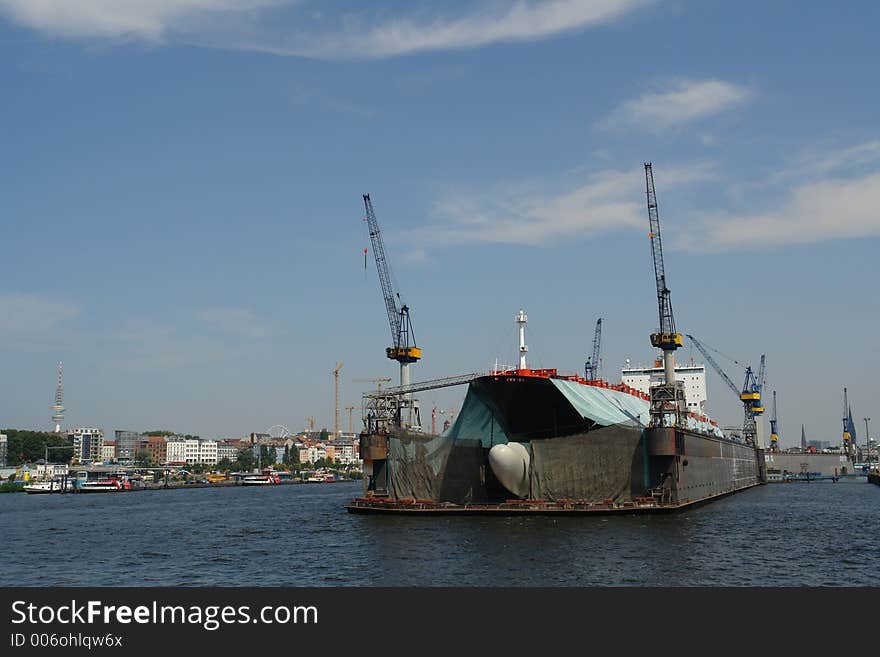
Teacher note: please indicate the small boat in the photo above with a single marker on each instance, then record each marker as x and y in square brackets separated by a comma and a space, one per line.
[53, 486]
[110, 485]
[322, 478]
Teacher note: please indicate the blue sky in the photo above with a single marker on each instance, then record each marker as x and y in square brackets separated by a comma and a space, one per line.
[182, 187]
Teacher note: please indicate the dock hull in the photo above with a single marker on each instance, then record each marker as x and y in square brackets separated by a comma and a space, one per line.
[575, 460]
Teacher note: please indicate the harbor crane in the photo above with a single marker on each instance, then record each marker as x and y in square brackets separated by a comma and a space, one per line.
[591, 367]
[774, 427]
[667, 399]
[749, 395]
[403, 349]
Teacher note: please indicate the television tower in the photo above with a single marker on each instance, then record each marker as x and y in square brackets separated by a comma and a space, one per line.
[58, 408]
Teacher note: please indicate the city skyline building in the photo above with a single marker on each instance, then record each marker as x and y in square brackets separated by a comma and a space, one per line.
[88, 444]
[127, 444]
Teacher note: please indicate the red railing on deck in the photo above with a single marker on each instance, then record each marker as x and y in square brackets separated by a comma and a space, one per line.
[554, 374]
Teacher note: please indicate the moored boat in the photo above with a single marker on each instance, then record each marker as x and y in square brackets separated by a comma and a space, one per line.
[263, 479]
[52, 486]
[108, 485]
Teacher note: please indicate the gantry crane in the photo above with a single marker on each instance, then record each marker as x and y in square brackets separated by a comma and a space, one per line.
[403, 349]
[591, 367]
[667, 399]
[774, 427]
[750, 395]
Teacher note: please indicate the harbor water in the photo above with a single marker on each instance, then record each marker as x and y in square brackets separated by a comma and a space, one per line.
[817, 534]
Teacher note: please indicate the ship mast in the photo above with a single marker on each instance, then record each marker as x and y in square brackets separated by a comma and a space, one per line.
[521, 319]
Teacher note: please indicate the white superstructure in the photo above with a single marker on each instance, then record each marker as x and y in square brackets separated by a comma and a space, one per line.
[693, 377]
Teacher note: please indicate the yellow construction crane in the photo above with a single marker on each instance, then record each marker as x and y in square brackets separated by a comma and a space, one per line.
[377, 380]
[350, 409]
[336, 372]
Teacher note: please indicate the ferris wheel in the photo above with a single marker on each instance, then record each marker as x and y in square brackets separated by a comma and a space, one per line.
[278, 432]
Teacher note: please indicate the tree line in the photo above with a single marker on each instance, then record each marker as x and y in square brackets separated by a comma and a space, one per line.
[23, 446]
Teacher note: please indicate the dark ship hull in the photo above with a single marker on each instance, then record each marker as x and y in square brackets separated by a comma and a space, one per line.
[584, 447]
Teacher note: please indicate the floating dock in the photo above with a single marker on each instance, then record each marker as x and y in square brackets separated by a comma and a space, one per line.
[639, 505]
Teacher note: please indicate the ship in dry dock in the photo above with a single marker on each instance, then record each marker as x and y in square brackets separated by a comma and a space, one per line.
[537, 441]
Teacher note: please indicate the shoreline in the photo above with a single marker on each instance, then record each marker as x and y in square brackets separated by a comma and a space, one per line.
[184, 486]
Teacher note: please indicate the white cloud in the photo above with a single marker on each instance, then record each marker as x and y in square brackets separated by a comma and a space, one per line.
[144, 19]
[829, 209]
[686, 101]
[819, 196]
[250, 25]
[815, 162]
[608, 200]
[28, 315]
[235, 321]
[517, 21]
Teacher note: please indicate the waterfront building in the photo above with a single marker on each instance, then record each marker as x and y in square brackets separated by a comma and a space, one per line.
[48, 471]
[226, 450]
[208, 452]
[346, 453]
[88, 443]
[127, 443]
[3, 449]
[191, 451]
[155, 446]
[693, 376]
[108, 451]
[315, 452]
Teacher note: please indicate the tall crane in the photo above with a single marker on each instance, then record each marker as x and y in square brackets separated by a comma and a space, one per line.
[774, 427]
[336, 372]
[591, 367]
[377, 380]
[350, 408]
[667, 399]
[403, 349]
[750, 395]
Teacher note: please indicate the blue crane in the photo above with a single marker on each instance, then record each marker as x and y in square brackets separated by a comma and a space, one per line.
[404, 349]
[750, 395]
[591, 367]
